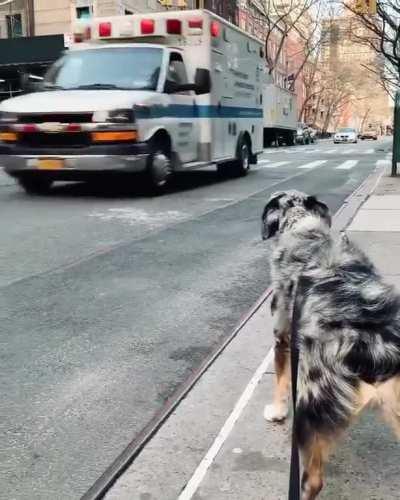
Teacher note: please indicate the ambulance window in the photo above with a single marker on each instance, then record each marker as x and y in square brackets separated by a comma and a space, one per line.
[176, 70]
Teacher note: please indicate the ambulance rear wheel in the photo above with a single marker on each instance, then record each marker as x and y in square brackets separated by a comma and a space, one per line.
[242, 164]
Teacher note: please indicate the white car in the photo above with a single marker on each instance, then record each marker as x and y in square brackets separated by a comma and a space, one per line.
[345, 135]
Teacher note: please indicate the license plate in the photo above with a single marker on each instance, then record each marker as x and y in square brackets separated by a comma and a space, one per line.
[50, 164]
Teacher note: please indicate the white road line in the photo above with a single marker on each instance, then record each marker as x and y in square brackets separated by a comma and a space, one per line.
[276, 164]
[383, 163]
[313, 164]
[330, 151]
[199, 474]
[263, 162]
[369, 151]
[347, 165]
[312, 151]
[272, 151]
[347, 151]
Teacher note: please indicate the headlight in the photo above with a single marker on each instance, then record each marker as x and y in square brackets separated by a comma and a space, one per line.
[6, 117]
[114, 116]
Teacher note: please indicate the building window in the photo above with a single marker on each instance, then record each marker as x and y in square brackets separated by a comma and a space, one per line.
[14, 25]
[128, 12]
[83, 12]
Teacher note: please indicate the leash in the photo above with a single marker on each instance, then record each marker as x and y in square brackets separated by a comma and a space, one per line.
[294, 478]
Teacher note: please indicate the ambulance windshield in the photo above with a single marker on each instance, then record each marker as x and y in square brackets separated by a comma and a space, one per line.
[108, 68]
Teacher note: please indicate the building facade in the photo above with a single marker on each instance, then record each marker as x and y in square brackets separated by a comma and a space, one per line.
[346, 60]
[48, 17]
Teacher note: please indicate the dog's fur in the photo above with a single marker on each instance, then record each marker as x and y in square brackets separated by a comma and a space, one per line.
[349, 330]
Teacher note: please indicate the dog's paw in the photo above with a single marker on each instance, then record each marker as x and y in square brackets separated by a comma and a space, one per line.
[273, 413]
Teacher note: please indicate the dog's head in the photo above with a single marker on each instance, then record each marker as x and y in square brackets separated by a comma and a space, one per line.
[286, 205]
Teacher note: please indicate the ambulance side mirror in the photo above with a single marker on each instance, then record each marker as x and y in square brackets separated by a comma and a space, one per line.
[202, 81]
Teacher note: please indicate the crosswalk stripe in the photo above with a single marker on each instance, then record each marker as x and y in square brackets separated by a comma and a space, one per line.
[312, 151]
[369, 151]
[330, 151]
[347, 151]
[313, 164]
[277, 164]
[382, 163]
[347, 165]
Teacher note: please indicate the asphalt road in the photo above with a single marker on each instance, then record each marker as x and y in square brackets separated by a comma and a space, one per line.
[109, 299]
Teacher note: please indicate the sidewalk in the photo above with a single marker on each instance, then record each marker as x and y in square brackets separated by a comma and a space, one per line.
[217, 446]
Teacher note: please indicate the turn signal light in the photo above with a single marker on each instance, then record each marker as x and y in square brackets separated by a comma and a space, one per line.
[8, 136]
[128, 135]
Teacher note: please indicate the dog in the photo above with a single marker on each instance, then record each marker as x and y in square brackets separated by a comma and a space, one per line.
[348, 330]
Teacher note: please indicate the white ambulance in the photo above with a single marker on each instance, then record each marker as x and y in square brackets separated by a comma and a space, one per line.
[151, 93]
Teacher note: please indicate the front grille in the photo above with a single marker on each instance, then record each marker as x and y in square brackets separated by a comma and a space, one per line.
[55, 117]
[41, 139]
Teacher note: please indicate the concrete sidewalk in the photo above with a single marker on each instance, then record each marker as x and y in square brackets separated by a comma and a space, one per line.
[217, 445]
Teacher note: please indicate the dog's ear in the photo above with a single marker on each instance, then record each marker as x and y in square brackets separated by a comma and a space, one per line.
[271, 216]
[311, 203]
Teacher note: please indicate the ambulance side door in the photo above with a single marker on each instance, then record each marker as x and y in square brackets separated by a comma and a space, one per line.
[182, 123]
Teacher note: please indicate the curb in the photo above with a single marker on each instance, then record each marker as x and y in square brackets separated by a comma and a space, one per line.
[351, 205]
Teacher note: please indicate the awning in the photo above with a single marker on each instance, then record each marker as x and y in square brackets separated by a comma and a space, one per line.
[31, 50]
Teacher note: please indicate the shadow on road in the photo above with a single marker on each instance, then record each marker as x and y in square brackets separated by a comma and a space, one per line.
[129, 187]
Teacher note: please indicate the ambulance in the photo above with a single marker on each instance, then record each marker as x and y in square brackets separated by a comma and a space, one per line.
[150, 94]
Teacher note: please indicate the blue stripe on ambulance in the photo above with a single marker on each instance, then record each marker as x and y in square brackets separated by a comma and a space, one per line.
[197, 111]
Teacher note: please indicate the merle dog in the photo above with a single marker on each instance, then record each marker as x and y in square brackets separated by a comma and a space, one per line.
[349, 330]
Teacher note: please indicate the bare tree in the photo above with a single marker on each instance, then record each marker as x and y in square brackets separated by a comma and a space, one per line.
[382, 33]
[278, 20]
[340, 88]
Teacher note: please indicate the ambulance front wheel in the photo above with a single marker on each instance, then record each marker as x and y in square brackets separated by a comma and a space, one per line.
[159, 167]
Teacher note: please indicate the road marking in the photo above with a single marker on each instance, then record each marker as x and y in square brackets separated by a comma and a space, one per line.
[347, 151]
[262, 162]
[347, 165]
[313, 164]
[272, 151]
[199, 474]
[312, 151]
[330, 151]
[369, 151]
[383, 163]
[276, 164]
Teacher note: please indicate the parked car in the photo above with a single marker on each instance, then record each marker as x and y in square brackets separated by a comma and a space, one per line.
[313, 135]
[303, 134]
[345, 135]
[370, 133]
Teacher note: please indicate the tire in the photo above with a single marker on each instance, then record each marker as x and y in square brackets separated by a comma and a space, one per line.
[159, 167]
[241, 165]
[35, 184]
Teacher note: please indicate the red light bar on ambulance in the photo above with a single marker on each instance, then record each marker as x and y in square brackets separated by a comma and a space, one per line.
[147, 26]
[174, 27]
[104, 29]
[215, 28]
[196, 23]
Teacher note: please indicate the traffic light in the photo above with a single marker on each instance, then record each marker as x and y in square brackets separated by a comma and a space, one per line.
[365, 6]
